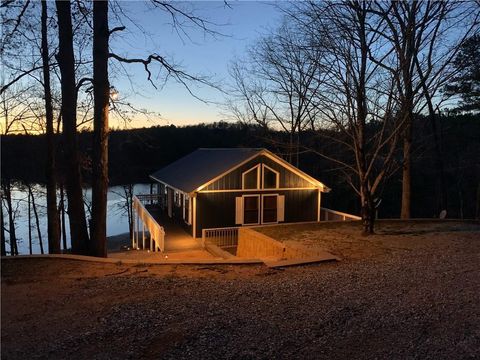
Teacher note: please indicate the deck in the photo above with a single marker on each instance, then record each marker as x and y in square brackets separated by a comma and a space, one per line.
[176, 238]
[158, 237]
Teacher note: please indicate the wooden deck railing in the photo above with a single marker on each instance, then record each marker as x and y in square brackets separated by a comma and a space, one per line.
[150, 199]
[157, 233]
[221, 237]
[331, 215]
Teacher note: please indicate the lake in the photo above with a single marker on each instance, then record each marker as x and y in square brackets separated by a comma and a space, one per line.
[117, 222]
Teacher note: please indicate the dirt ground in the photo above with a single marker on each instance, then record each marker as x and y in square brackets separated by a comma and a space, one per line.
[345, 240]
[412, 291]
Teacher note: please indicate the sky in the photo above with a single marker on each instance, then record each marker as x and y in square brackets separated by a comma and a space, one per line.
[150, 31]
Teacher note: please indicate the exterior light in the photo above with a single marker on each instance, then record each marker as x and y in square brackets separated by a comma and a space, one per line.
[113, 93]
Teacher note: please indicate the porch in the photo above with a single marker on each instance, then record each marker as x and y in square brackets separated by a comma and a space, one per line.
[158, 233]
[155, 233]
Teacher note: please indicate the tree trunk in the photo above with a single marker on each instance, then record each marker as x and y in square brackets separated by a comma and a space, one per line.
[3, 250]
[442, 197]
[66, 63]
[62, 213]
[29, 222]
[101, 92]
[477, 207]
[52, 211]
[11, 218]
[37, 222]
[407, 172]
[128, 190]
[368, 211]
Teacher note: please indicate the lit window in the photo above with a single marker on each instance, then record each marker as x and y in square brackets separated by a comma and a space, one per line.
[270, 178]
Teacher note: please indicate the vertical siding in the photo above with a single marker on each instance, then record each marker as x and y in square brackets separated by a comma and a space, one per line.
[233, 180]
[216, 210]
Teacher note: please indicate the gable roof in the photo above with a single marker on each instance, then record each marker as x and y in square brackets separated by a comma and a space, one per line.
[204, 165]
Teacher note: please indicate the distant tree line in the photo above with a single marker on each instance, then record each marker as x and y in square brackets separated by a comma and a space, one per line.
[136, 153]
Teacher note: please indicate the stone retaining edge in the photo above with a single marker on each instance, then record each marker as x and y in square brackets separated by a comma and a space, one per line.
[136, 262]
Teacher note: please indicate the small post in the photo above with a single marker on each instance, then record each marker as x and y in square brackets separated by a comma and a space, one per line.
[143, 235]
[137, 224]
[152, 236]
[133, 229]
[151, 193]
[138, 229]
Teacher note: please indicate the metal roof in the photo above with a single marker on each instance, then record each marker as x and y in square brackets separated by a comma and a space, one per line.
[201, 166]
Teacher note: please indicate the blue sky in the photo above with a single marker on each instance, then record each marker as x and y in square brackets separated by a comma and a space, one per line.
[241, 24]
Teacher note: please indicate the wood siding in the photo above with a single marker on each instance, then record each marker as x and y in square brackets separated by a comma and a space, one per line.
[233, 180]
[216, 210]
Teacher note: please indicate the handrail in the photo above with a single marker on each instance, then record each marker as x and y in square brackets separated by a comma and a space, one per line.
[221, 237]
[157, 233]
[344, 215]
[150, 199]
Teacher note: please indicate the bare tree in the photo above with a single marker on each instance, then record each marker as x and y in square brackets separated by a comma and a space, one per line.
[278, 84]
[66, 63]
[31, 202]
[7, 194]
[62, 211]
[29, 224]
[425, 36]
[3, 241]
[101, 91]
[356, 102]
[52, 211]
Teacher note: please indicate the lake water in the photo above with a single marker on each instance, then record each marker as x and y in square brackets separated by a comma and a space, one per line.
[117, 222]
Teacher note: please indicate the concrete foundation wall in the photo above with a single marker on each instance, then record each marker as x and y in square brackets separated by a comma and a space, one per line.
[254, 245]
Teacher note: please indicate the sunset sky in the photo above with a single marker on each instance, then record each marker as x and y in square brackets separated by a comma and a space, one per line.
[240, 25]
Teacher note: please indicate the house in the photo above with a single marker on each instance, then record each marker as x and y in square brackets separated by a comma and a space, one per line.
[219, 188]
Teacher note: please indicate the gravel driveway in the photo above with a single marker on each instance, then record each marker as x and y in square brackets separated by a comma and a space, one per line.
[419, 300]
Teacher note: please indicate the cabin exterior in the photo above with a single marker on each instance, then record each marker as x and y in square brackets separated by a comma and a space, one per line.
[221, 188]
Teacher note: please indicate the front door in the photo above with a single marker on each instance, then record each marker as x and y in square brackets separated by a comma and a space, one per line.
[259, 209]
[269, 209]
[251, 209]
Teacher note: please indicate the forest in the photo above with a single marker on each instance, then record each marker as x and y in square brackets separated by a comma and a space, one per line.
[379, 100]
[136, 153]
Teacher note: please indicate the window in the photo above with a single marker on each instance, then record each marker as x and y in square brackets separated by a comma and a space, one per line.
[256, 209]
[270, 178]
[186, 210]
[250, 178]
[251, 209]
[269, 207]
